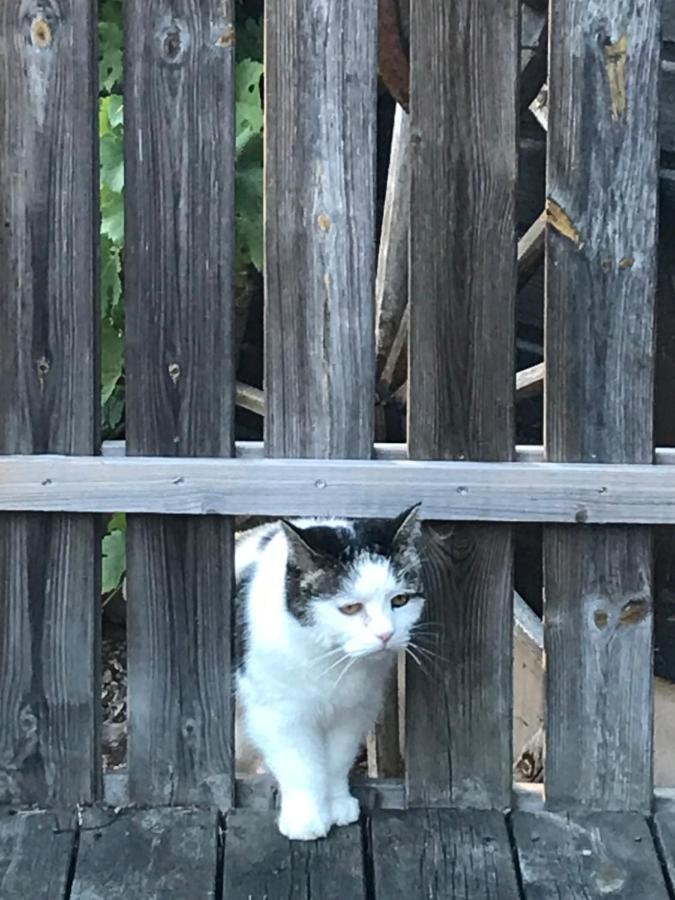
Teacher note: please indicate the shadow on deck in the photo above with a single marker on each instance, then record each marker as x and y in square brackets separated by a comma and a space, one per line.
[185, 854]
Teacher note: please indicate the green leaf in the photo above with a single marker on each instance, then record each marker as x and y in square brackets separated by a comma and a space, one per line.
[111, 283]
[113, 412]
[114, 560]
[110, 41]
[112, 161]
[112, 215]
[248, 102]
[112, 348]
[115, 110]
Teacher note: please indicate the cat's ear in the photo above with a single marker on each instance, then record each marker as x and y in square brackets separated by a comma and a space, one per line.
[406, 528]
[302, 551]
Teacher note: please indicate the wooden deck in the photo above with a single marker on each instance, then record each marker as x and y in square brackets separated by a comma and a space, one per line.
[188, 854]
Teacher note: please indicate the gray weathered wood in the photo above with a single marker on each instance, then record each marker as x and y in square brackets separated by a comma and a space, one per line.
[463, 287]
[442, 853]
[530, 381]
[527, 491]
[601, 283]
[321, 100]
[35, 854]
[49, 397]
[261, 863]
[179, 118]
[588, 857]
[154, 854]
[321, 80]
[391, 289]
[664, 828]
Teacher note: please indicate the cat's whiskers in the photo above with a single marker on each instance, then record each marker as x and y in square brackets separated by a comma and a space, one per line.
[411, 653]
[435, 659]
[326, 655]
[343, 658]
[342, 674]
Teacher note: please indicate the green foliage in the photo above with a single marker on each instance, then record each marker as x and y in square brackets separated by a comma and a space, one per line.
[114, 554]
[111, 125]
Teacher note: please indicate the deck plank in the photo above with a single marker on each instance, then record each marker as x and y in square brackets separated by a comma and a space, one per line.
[590, 856]
[261, 863]
[664, 826]
[27, 838]
[442, 853]
[159, 854]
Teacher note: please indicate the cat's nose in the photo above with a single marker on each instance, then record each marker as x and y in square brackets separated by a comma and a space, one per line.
[385, 636]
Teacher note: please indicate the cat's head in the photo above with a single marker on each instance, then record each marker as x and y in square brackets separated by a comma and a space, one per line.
[358, 584]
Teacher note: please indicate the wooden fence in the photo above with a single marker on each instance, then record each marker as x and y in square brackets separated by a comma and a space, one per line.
[597, 491]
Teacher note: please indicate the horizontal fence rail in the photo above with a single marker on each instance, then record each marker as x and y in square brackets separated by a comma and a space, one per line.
[581, 493]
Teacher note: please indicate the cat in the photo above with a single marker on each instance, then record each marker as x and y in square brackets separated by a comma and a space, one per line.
[324, 606]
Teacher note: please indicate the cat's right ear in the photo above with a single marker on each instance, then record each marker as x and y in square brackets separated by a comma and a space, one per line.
[302, 553]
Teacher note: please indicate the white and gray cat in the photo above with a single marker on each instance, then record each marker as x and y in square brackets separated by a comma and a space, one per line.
[324, 606]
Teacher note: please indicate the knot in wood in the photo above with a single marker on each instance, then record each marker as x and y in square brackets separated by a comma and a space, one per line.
[43, 368]
[226, 38]
[174, 372]
[174, 40]
[40, 33]
[633, 612]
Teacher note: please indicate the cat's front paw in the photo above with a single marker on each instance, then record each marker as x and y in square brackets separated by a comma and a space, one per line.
[302, 818]
[345, 810]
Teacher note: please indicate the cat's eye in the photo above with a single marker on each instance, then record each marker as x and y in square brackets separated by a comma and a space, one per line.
[351, 609]
[399, 600]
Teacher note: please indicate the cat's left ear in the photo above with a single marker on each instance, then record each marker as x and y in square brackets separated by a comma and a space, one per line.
[302, 551]
[406, 528]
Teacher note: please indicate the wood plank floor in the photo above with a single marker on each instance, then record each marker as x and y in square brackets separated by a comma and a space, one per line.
[185, 854]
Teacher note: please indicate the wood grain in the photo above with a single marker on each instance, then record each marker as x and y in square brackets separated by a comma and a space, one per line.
[261, 863]
[35, 853]
[321, 64]
[49, 399]
[321, 110]
[587, 857]
[600, 293]
[463, 288]
[179, 153]
[153, 854]
[443, 853]
[463, 491]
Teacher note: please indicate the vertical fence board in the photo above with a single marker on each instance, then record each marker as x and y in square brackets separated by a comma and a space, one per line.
[320, 195]
[49, 591]
[601, 282]
[179, 157]
[463, 285]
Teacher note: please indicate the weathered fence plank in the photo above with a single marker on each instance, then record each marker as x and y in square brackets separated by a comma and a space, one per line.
[601, 283]
[443, 853]
[180, 389]
[321, 70]
[36, 849]
[587, 857]
[463, 287]
[155, 853]
[462, 491]
[49, 399]
[261, 863]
